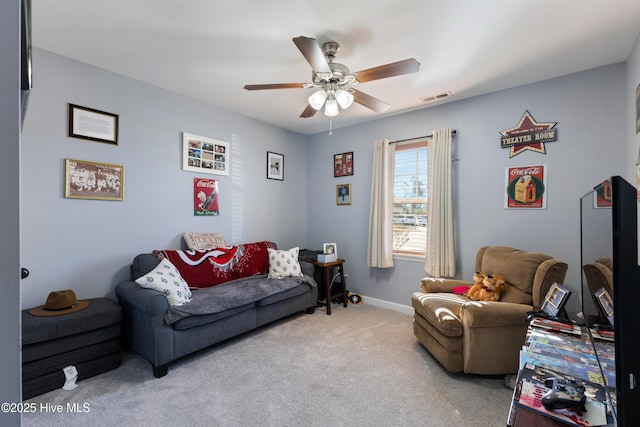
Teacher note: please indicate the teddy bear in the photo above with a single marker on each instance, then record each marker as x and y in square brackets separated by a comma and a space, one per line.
[493, 288]
[474, 291]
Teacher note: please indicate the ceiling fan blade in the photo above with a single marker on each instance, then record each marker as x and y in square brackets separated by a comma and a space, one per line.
[399, 68]
[275, 86]
[369, 101]
[312, 53]
[308, 112]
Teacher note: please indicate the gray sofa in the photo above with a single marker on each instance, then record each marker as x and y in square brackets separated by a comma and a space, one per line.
[163, 333]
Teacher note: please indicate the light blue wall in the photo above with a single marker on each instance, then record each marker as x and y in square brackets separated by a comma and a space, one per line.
[87, 245]
[590, 110]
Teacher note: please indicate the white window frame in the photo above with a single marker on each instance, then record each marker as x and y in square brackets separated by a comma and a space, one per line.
[408, 254]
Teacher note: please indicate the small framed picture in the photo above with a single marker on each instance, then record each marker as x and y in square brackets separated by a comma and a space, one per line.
[93, 180]
[555, 300]
[275, 166]
[343, 164]
[330, 248]
[94, 125]
[605, 304]
[205, 155]
[343, 194]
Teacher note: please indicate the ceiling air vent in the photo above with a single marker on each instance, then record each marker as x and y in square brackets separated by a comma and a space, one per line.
[435, 98]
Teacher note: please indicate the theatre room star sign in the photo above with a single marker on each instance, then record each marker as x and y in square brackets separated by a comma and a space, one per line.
[528, 135]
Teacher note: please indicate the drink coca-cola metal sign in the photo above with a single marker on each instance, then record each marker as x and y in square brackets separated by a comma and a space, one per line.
[526, 187]
[205, 197]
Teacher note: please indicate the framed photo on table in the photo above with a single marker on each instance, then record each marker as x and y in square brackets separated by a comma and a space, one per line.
[555, 300]
[330, 248]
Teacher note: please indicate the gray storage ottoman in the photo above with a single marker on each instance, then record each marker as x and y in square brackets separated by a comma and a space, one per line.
[88, 339]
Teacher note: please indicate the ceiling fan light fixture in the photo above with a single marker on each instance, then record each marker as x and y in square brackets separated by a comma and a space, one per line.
[331, 108]
[316, 100]
[344, 98]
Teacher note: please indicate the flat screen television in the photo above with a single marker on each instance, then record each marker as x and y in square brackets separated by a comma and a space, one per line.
[609, 229]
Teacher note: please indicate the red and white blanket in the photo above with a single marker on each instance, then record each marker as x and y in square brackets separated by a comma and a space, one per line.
[203, 269]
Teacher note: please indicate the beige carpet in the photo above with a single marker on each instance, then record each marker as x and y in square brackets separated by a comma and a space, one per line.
[361, 366]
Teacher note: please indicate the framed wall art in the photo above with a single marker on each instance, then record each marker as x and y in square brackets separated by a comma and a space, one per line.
[93, 180]
[275, 166]
[94, 125]
[526, 187]
[205, 155]
[343, 194]
[205, 197]
[343, 164]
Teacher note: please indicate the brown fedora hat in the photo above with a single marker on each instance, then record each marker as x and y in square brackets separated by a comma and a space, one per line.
[60, 302]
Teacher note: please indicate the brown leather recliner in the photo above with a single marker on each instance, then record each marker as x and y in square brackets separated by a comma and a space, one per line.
[484, 337]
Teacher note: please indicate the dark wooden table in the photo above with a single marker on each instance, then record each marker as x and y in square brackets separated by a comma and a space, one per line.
[327, 273]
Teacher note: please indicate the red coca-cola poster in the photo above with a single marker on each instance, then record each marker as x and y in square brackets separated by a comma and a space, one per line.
[526, 187]
[205, 197]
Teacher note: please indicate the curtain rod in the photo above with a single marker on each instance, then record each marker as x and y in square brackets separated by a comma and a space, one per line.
[453, 132]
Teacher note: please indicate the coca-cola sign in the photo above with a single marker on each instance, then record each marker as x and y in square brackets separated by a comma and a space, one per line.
[205, 197]
[526, 187]
[530, 170]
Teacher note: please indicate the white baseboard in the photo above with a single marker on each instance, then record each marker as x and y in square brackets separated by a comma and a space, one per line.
[404, 309]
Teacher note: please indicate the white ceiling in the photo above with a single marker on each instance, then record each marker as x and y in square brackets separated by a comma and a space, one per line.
[209, 49]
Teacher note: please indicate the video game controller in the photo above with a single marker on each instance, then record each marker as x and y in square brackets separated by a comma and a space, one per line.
[564, 394]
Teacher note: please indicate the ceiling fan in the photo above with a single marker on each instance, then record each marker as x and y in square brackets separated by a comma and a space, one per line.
[334, 81]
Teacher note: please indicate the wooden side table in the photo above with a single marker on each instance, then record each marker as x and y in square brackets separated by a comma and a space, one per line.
[327, 270]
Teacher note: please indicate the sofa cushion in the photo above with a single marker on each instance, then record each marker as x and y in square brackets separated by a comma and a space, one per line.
[193, 321]
[284, 263]
[166, 279]
[280, 296]
[442, 310]
[232, 294]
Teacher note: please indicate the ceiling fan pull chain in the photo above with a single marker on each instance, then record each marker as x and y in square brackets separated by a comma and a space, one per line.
[330, 126]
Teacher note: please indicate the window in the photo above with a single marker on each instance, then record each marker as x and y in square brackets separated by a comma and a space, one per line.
[410, 213]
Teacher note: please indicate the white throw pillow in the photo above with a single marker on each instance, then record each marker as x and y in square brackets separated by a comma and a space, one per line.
[166, 279]
[284, 263]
